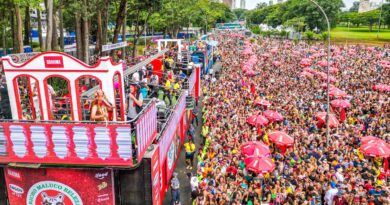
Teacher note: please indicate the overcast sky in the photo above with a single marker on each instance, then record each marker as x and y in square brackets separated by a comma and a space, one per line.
[250, 4]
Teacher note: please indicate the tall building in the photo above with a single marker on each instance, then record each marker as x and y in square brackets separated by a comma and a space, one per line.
[364, 6]
[243, 4]
[229, 3]
[280, 1]
[270, 3]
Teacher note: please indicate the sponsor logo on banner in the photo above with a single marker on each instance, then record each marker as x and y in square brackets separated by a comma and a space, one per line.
[52, 193]
[102, 186]
[60, 186]
[17, 190]
[14, 174]
[53, 61]
[22, 57]
[101, 175]
[103, 197]
[109, 47]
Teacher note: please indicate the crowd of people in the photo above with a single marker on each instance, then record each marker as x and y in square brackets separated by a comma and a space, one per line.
[316, 170]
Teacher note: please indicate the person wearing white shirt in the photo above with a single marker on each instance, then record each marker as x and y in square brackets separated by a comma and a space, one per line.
[330, 194]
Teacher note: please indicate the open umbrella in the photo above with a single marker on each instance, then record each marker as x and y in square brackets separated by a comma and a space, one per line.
[337, 93]
[306, 74]
[281, 138]
[257, 120]
[333, 122]
[366, 139]
[255, 148]
[385, 64]
[340, 103]
[262, 102]
[305, 62]
[259, 164]
[381, 87]
[322, 63]
[273, 115]
[375, 149]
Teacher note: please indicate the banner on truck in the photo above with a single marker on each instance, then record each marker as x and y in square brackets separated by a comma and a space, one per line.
[59, 186]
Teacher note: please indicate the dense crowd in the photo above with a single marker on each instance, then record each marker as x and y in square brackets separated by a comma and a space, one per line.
[312, 171]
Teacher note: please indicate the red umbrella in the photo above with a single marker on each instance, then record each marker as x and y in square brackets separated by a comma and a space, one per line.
[262, 102]
[340, 103]
[376, 149]
[281, 138]
[337, 93]
[331, 78]
[324, 85]
[366, 139]
[306, 74]
[322, 63]
[256, 120]
[273, 115]
[381, 87]
[255, 148]
[259, 164]
[333, 122]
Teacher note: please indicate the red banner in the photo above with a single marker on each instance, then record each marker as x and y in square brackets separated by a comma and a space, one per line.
[146, 129]
[156, 181]
[59, 186]
[44, 143]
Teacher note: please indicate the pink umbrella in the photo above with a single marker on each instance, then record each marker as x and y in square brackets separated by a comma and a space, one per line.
[265, 55]
[259, 164]
[366, 139]
[273, 115]
[255, 148]
[307, 69]
[250, 72]
[375, 149]
[281, 138]
[334, 69]
[262, 102]
[331, 78]
[322, 63]
[340, 103]
[332, 87]
[333, 122]
[306, 74]
[257, 120]
[385, 64]
[324, 85]
[337, 93]
[381, 87]
[305, 62]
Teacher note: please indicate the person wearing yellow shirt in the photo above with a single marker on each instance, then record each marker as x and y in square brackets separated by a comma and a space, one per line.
[177, 87]
[168, 90]
[189, 147]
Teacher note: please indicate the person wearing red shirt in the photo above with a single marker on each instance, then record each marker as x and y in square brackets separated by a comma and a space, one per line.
[368, 186]
[340, 199]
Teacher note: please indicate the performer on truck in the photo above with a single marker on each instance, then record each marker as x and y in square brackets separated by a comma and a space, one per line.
[100, 107]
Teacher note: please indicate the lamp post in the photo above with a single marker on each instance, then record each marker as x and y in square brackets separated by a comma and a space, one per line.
[327, 72]
[379, 21]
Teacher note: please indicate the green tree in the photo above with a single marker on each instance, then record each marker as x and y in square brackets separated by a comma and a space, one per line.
[240, 14]
[370, 17]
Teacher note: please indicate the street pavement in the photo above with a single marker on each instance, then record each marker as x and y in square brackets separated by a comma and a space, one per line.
[185, 186]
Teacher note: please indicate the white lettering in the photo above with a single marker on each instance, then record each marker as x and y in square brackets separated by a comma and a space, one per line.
[53, 62]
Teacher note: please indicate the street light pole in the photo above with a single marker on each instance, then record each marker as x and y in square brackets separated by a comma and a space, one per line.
[379, 21]
[327, 72]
